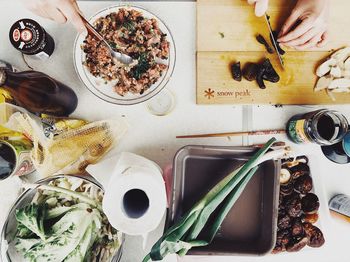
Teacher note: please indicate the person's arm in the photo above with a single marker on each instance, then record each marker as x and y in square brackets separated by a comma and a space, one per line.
[61, 11]
[260, 6]
[307, 25]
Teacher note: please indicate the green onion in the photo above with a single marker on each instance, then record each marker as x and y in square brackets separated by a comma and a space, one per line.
[182, 236]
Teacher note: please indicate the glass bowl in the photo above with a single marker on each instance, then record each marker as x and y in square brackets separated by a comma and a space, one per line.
[8, 251]
[104, 90]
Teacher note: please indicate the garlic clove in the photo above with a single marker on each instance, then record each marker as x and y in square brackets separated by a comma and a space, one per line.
[339, 83]
[341, 54]
[325, 67]
[335, 71]
[323, 83]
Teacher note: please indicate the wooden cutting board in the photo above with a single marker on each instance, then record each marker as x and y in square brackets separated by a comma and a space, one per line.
[226, 31]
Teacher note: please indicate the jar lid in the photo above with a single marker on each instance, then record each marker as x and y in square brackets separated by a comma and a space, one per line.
[346, 143]
[26, 35]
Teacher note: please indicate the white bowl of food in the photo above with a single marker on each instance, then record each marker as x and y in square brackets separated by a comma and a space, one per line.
[61, 224]
[133, 31]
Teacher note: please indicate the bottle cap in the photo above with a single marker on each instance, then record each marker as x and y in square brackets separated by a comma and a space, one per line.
[27, 36]
[346, 143]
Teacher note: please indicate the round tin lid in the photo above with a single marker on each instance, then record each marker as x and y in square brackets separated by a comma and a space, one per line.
[26, 35]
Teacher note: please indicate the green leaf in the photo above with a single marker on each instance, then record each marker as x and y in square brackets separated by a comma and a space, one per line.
[32, 217]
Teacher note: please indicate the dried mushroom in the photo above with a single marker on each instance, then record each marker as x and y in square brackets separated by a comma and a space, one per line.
[274, 37]
[297, 228]
[298, 208]
[296, 244]
[303, 184]
[310, 218]
[283, 237]
[236, 71]
[263, 41]
[300, 170]
[314, 235]
[284, 222]
[285, 176]
[287, 189]
[293, 206]
[250, 71]
[310, 203]
[260, 77]
[270, 73]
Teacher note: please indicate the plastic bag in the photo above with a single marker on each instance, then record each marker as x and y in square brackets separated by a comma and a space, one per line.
[72, 151]
[69, 152]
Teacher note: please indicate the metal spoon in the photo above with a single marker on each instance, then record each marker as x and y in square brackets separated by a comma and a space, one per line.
[116, 56]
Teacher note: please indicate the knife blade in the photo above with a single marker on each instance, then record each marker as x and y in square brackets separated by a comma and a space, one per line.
[274, 41]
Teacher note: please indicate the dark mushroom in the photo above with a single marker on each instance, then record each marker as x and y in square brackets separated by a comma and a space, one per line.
[296, 244]
[283, 237]
[250, 71]
[293, 206]
[283, 222]
[263, 41]
[285, 176]
[270, 73]
[300, 170]
[287, 189]
[314, 235]
[310, 218]
[303, 159]
[273, 38]
[236, 71]
[303, 184]
[297, 228]
[259, 77]
[277, 249]
[310, 203]
[280, 200]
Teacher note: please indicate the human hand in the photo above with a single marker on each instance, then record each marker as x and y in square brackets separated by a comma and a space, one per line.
[260, 6]
[307, 25]
[60, 11]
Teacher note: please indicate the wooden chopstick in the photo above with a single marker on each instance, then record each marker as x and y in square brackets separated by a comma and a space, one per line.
[249, 133]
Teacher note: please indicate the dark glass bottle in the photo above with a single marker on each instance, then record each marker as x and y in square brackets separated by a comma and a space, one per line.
[38, 92]
[323, 127]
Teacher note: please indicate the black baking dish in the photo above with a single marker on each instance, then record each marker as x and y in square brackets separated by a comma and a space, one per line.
[250, 227]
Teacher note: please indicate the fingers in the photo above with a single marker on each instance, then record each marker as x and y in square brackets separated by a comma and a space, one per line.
[72, 15]
[291, 20]
[301, 29]
[303, 39]
[324, 39]
[311, 43]
[55, 14]
[261, 7]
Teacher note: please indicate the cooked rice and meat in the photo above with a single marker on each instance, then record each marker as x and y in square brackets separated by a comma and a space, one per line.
[128, 32]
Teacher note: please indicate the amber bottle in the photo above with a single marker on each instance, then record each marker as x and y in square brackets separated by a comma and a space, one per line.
[38, 92]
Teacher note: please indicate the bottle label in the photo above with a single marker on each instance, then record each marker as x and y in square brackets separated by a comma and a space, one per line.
[340, 204]
[22, 149]
[296, 131]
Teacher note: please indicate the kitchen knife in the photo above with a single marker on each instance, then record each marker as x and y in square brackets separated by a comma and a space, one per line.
[274, 41]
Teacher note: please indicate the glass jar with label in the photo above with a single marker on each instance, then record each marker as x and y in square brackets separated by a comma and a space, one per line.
[323, 127]
[340, 206]
[28, 37]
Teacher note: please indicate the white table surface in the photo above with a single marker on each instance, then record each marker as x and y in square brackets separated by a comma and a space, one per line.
[154, 137]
